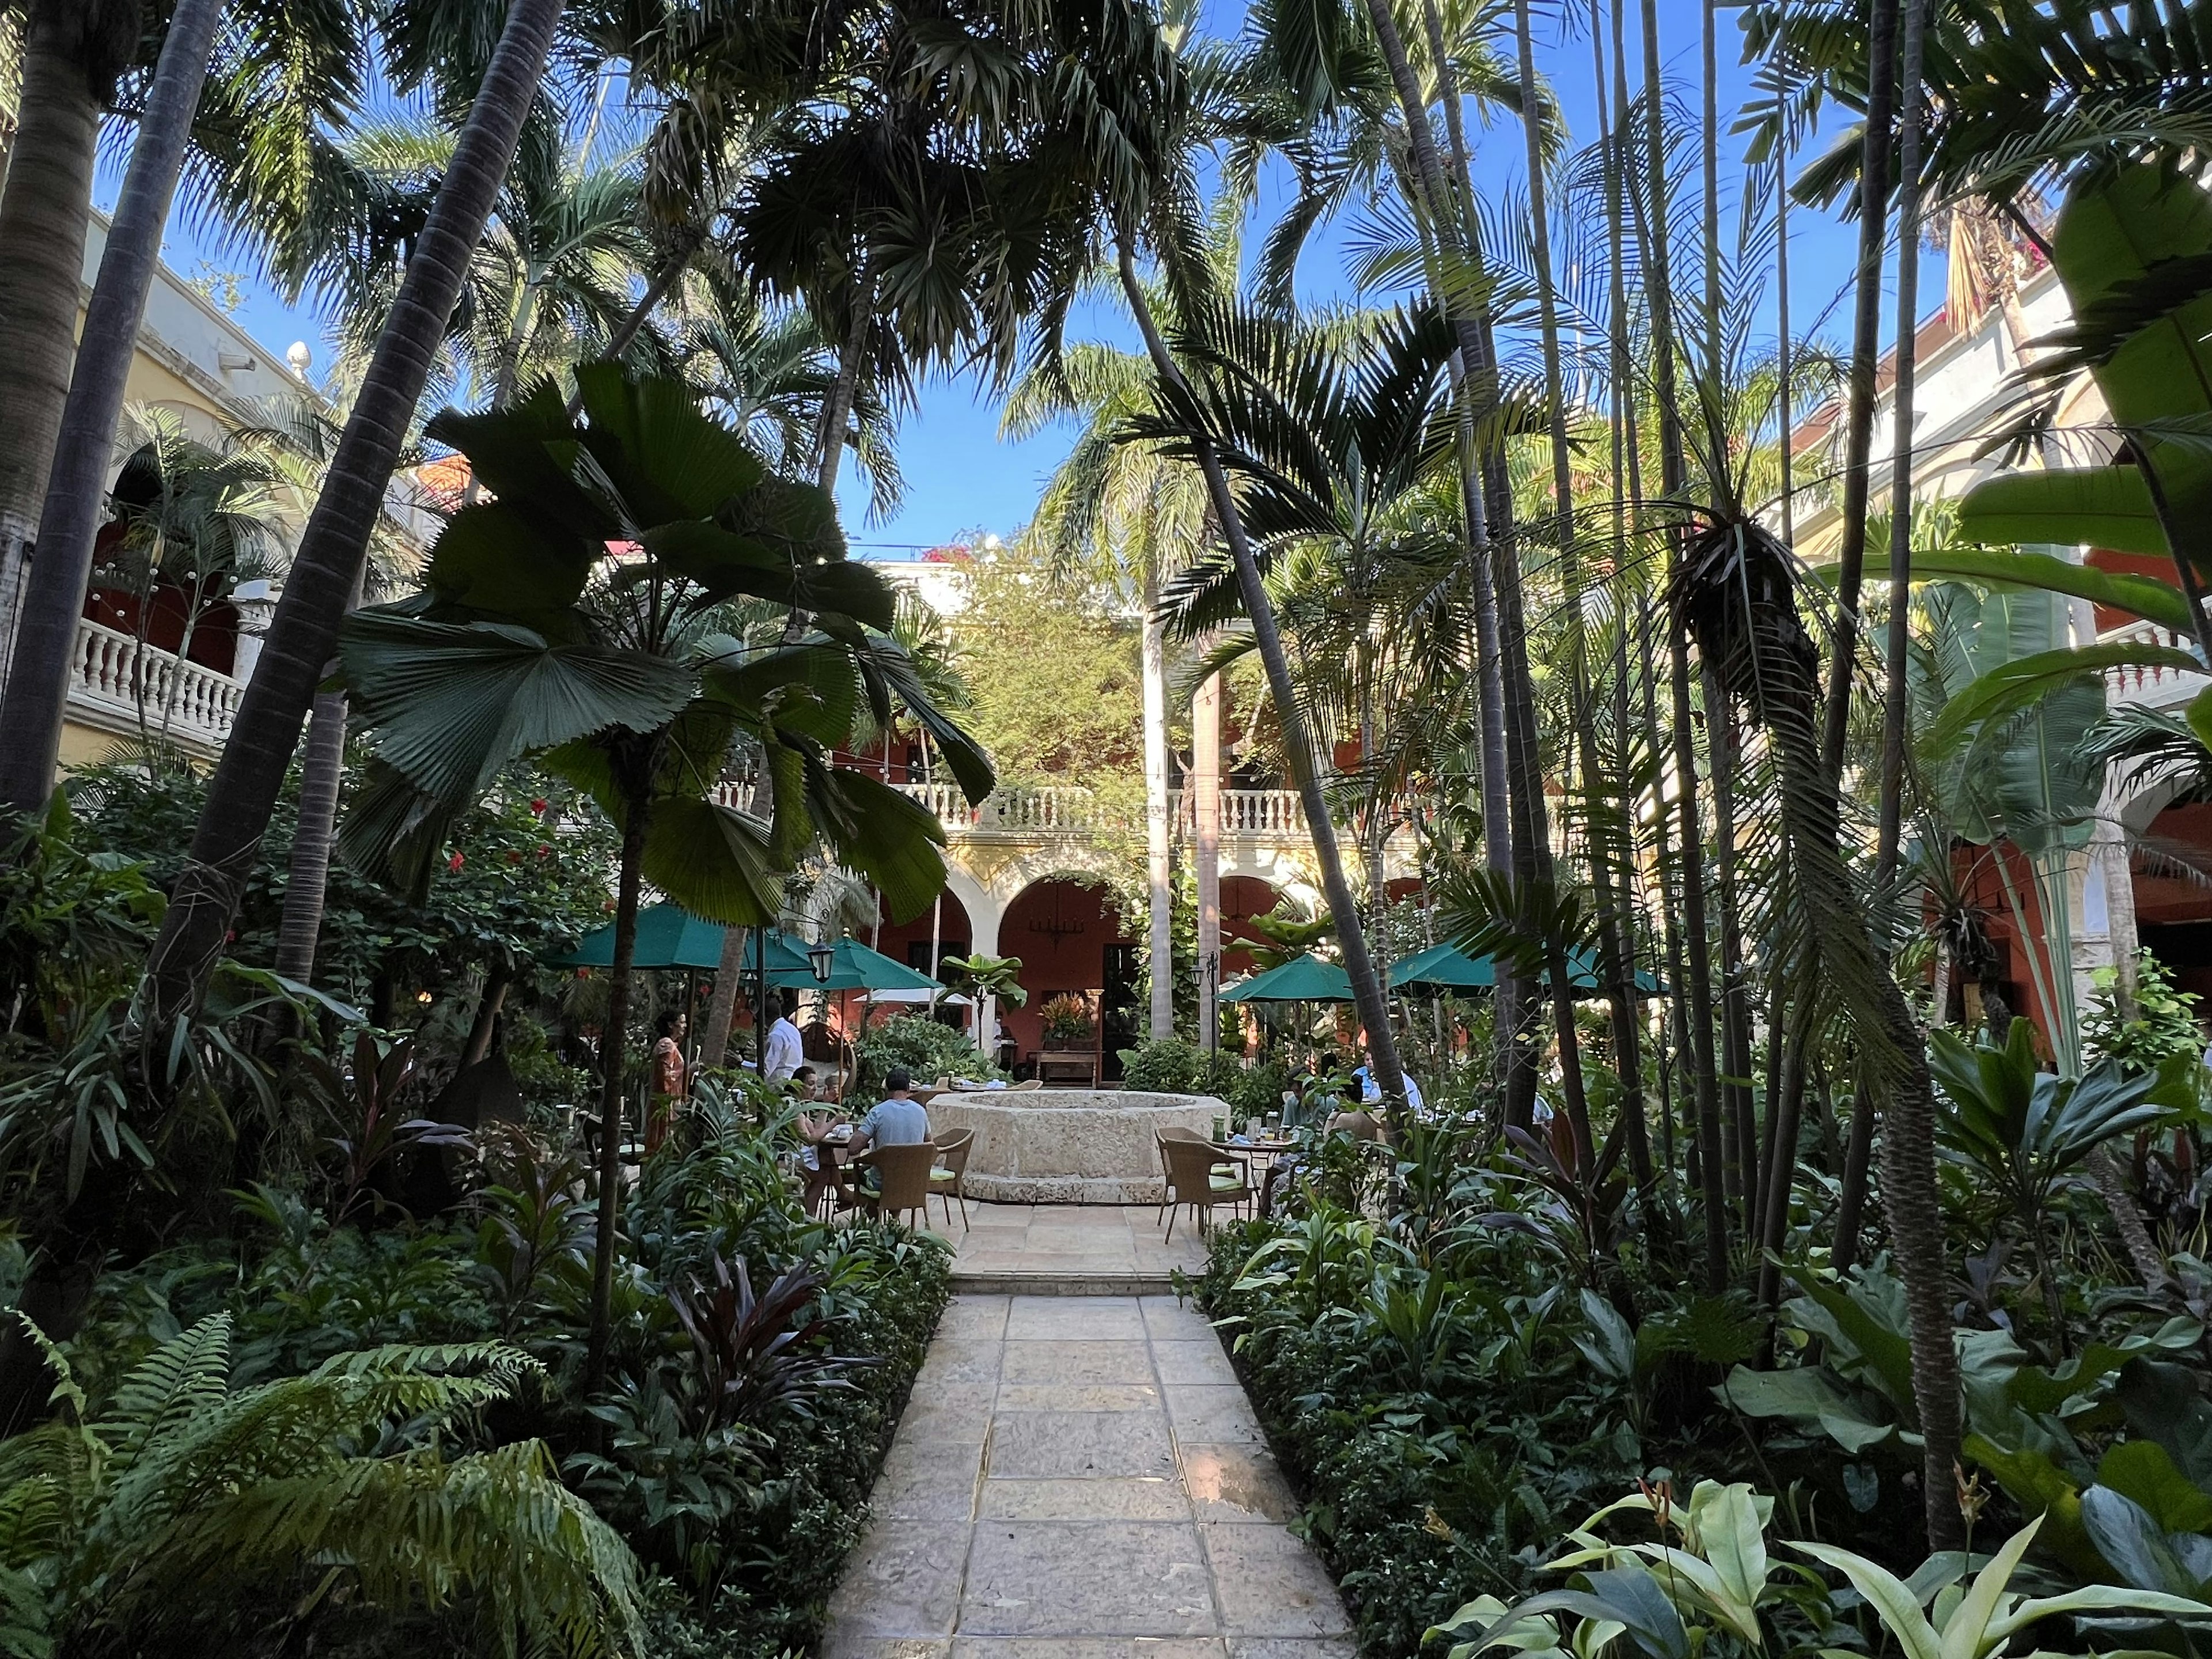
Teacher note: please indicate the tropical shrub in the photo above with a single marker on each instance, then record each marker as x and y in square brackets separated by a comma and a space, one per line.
[920, 1046]
[190, 1515]
[1707, 1582]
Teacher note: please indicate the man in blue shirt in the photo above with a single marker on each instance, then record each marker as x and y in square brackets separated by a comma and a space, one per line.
[898, 1120]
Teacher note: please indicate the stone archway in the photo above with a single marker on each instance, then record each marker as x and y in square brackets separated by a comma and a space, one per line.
[1071, 941]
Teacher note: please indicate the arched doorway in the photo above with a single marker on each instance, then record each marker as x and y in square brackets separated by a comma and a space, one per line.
[1072, 942]
[1242, 897]
[922, 943]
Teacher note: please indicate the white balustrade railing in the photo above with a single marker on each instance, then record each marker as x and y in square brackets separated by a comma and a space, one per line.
[117, 675]
[2160, 687]
[1035, 809]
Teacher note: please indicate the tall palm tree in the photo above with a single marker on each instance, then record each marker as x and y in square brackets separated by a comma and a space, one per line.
[326, 566]
[1134, 517]
[45, 632]
[72, 56]
[282, 74]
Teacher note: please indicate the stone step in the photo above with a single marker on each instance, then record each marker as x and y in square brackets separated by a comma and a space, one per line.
[1048, 1283]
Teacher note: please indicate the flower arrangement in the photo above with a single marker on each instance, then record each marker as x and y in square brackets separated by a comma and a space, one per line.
[1067, 1021]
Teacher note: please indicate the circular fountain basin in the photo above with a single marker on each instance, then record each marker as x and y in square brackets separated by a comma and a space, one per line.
[1068, 1145]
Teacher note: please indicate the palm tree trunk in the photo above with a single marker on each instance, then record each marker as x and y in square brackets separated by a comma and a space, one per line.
[1159, 846]
[1447, 202]
[44, 211]
[46, 636]
[307, 881]
[322, 770]
[304, 632]
[1910, 1191]
[1617, 901]
[1696, 1041]
[613, 1042]
[1697, 948]
[1205, 848]
[1742, 1134]
[1297, 743]
[1562, 492]
[1866, 342]
[837, 413]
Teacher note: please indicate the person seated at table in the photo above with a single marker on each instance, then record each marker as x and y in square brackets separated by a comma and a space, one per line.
[898, 1120]
[1370, 1092]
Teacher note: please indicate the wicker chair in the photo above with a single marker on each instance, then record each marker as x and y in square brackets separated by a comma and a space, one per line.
[903, 1172]
[948, 1180]
[1197, 1176]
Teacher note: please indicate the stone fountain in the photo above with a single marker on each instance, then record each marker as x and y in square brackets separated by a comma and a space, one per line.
[1068, 1145]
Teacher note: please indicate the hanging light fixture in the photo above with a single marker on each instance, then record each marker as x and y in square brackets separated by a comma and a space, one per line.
[821, 957]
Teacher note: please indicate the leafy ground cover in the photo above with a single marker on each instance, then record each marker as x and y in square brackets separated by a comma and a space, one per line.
[1463, 1390]
[701, 1504]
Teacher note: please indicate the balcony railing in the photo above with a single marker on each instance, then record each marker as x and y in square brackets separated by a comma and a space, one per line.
[120, 682]
[2159, 688]
[1028, 810]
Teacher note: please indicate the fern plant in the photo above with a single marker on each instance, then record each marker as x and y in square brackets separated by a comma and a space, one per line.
[186, 1503]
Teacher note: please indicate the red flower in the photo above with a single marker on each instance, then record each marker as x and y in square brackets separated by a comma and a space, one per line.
[537, 808]
[544, 851]
[454, 862]
[514, 855]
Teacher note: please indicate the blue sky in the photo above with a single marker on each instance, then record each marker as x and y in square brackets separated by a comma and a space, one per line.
[962, 479]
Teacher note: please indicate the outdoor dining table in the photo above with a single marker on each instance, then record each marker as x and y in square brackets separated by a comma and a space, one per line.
[1249, 1150]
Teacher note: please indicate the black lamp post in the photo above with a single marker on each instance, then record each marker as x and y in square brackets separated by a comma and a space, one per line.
[822, 958]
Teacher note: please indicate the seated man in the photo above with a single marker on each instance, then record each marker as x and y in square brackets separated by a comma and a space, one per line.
[898, 1120]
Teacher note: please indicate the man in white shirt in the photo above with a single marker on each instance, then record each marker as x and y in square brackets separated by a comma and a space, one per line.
[1370, 1092]
[785, 1054]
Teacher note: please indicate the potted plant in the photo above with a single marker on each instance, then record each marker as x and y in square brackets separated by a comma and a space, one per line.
[1067, 1038]
[1067, 1022]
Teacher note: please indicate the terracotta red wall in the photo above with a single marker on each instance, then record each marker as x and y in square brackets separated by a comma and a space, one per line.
[1050, 965]
[2126, 565]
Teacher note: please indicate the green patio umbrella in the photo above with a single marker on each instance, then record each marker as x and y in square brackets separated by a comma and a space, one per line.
[1582, 974]
[854, 967]
[1448, 968]
[669, 936]
[1302, 979]
[1442, 968]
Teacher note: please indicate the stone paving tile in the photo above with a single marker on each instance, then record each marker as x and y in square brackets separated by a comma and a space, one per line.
[1093, 1397]
[1087, 1578]
[1088, 1647]
[1073, 1318]
[1078, 1476]
[1270, 1584]
[1236, 1483]
[903, 1581]
[1202, 1361]
[1213, 1413]
[1157, 1499]
[1080, 1444]
[1076, 1363]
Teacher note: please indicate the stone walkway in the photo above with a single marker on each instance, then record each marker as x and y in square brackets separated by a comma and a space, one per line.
[1081, 1477]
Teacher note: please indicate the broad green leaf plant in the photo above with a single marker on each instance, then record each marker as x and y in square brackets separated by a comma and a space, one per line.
[1708, 1579]
[592, 615]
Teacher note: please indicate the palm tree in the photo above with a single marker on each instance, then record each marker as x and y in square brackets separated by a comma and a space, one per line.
[1134, 516]
[1212, 415]
[615, 672]
[326, 567]
[45, 634]
[72, 57]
